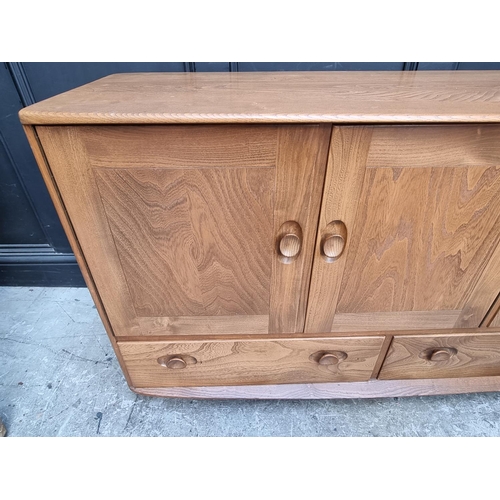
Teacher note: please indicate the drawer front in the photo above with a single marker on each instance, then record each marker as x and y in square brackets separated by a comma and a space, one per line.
[169, 364]
[446, 356]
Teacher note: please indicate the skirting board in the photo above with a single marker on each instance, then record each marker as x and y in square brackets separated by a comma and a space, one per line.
[346, 390]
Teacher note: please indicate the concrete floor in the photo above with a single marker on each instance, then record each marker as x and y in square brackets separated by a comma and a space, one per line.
[59, 377]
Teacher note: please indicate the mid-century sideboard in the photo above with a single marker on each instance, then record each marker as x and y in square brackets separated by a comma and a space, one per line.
[285, 235]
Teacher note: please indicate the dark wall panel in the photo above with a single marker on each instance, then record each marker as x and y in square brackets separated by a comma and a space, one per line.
[19, 223]
[479, 66]
[320, 66]
[33, 248]
[211, 66]
[41, 274]
[437, 66]
[49, 79]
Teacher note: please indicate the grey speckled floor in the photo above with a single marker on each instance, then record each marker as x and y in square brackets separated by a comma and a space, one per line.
[59, 377]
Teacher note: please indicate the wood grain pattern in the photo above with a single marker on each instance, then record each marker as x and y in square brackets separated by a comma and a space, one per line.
[483, 294]
[205, 325]
[301, 163]
[342, 390]
[382, 355]
[171, 244]
[171, 146]
[177, 228]
[209, 231]
[332, 97]
[333, 240]
[55, 196]
[424, 238]
[495, 323]
[343, 183]
[394, 320]
[492, 318]
[434, 146]
[249, 362]
[476, 356]
[299, 336]
[419, 239]
[73, 174]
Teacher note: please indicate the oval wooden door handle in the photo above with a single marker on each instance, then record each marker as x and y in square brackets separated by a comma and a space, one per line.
[439, 353]
[333, 241]
[290, 245]
[289, 241]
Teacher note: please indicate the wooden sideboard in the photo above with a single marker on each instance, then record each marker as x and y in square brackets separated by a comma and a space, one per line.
[285, 235]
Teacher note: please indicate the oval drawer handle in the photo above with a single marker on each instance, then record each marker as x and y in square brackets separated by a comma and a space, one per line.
[176, 362]
[289, 241]
[328, 358]
[438, 353]
[333, 241]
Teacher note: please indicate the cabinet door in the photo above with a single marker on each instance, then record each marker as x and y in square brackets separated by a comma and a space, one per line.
[194, 229]
[409, 229]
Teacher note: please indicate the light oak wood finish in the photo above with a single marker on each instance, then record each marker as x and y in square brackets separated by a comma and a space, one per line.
[492, 318]
[75, 179]
[331, 97]
[442, 356]
[398, 320]
[67, 225]
[333, 241]
[421, 238]
[434, 146]
[174, 242]
[251, 362]
[344, 178]
[171, 147]
[289, 241]
[209, 231]
[342, 390]
[205, 325]
[230, 236]
[383, 354]
[424, 236]
[302, 153]
[305, 336]
[495, 322]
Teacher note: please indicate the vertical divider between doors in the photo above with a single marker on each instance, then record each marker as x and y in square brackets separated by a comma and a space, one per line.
[318, 221]
[349, 146]
[300, 169]
[384, 350]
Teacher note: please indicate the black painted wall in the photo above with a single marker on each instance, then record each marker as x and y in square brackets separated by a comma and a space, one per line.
[33, 248]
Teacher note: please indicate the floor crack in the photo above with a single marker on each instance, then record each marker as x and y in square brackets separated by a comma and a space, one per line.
[131, 412]
[81, 358]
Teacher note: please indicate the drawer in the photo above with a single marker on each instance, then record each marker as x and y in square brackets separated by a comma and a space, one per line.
[442, 356]
[230, 362]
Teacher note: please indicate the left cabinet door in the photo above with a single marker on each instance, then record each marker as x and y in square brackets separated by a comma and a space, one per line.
[194, 229]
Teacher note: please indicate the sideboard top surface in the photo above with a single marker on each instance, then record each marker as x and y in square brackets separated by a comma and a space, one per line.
[277, 97]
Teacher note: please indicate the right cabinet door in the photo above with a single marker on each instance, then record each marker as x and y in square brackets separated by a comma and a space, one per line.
[409, 230]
